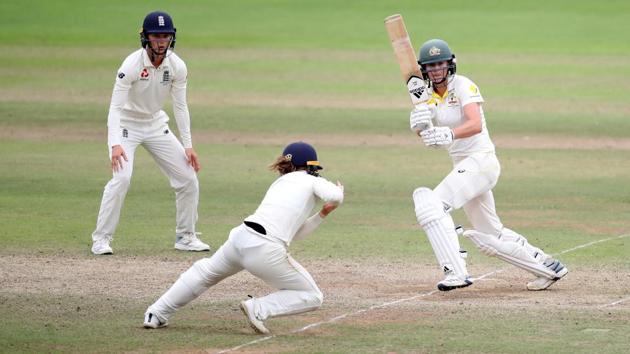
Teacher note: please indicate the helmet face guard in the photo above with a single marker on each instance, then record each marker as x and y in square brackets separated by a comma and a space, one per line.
[435, 51]
[157, 22]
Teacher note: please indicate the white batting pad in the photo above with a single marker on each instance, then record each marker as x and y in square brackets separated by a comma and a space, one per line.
[440, 231]
[512, 252]
[513, 236]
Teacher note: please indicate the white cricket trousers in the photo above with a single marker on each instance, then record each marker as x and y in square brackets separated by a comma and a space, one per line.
[263, 257]
[469, 185]
[170, 156]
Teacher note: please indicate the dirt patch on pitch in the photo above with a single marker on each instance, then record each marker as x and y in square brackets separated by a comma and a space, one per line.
[346, 284]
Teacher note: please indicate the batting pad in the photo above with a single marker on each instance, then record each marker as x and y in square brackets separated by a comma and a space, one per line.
[510, 235]
[440, 231]
[512, 252]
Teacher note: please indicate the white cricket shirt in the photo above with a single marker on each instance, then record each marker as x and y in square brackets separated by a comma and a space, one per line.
[450, 113]
[290, 200]
[141, 90]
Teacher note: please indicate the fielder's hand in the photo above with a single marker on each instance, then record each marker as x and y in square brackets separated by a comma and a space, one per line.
[420, 118]
[191, 158]
[437, 136]
[327, 209]
[118, 154]
[330, 206]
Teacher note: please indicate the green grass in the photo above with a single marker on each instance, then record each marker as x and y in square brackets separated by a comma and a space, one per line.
[554, 69]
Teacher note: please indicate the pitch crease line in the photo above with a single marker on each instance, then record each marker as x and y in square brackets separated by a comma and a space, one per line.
[386, 304]
[614, 303]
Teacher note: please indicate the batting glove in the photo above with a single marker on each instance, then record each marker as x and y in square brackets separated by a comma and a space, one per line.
[437, 136]
[420, 118]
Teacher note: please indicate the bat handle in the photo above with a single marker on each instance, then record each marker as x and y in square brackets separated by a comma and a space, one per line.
[432, 108]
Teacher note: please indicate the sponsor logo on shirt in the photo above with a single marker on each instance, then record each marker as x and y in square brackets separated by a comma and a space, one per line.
[121, 75]
[144, 75]
[474, 90]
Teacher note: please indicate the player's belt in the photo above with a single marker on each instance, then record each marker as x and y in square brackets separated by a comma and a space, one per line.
[256, 227]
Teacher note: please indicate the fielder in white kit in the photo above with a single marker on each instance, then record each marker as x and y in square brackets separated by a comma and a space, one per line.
[144, 81]
[455, 107]
[260, 245]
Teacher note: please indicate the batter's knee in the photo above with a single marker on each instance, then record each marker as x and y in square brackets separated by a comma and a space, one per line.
[428, 206]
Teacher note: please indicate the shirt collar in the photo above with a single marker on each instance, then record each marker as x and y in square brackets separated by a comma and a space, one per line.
[449, 87]
[147, 62]
[145, 58]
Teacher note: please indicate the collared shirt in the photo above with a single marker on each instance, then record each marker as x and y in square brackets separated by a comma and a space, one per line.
[141, 90]
[450, 113]
[290, 200]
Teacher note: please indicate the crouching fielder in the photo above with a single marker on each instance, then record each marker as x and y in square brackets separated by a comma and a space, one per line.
[260, 244]
[455, 109]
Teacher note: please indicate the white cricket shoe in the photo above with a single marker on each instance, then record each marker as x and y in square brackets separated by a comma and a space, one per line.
[542, 283]
[190, 242]
[152, 321]
[247, 306]
[453, 282]
[101, 246]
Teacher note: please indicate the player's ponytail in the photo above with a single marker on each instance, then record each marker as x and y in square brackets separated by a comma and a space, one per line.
[282, 166]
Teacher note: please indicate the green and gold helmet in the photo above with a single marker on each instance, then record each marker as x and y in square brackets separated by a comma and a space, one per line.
[434, 51]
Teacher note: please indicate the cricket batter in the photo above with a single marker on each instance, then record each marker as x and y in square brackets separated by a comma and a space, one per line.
[453, 118]
[144, 81]
[260, 244]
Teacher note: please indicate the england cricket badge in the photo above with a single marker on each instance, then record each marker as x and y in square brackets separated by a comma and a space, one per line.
[166, 77]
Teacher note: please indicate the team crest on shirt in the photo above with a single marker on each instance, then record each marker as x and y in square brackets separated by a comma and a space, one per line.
[144, 75]
[452, 99]
[166, 77]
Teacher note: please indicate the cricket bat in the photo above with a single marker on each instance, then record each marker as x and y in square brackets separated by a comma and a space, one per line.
[407, 61]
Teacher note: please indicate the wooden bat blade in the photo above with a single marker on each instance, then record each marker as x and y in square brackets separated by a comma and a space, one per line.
[406, 57]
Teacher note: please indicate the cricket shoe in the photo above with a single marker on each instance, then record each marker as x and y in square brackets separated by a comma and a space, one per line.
[189, 242]
[542, 283]
[101, 246]
[247, 306]
[453, 282]
[152, 321]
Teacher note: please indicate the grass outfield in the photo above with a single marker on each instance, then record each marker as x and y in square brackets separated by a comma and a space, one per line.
[264, 73]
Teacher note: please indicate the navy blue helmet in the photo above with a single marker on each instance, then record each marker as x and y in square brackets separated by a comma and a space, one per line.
[154, 23]
[302, 154]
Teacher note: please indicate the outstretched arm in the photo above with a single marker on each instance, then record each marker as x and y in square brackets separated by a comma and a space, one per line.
[314, 221]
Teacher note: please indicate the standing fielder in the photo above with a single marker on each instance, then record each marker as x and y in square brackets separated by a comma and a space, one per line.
[144, 81]
[260, 245]
[460, 126]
